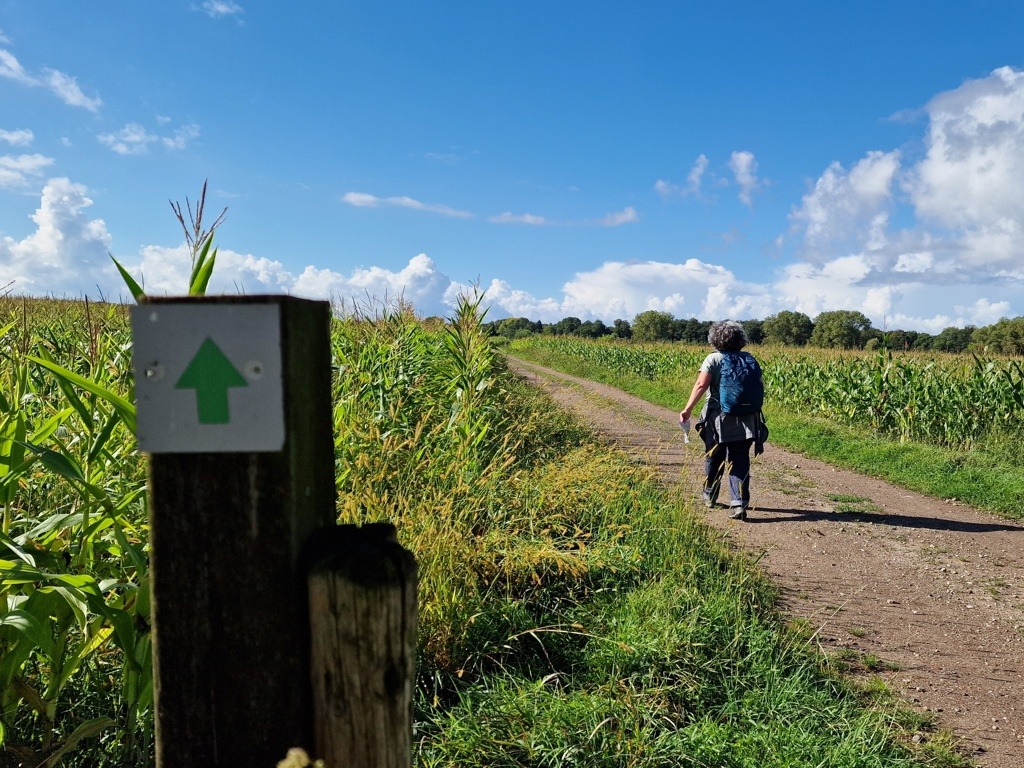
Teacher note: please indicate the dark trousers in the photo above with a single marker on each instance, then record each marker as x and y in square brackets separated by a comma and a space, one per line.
[736, 457]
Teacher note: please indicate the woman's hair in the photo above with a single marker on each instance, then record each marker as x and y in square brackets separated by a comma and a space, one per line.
[727, 336]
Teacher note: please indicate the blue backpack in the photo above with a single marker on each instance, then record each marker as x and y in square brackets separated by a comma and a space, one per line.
[740, 388]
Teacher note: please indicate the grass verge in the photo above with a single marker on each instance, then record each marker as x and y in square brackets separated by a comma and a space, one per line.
[613, 628]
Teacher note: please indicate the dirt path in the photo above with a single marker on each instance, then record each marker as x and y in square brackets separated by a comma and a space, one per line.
[928, 594]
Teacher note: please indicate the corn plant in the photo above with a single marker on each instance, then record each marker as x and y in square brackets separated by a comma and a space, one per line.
[73, 567]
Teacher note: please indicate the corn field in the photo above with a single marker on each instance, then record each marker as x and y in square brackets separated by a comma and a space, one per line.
[523, 532]
[423, 438]
[951, 400]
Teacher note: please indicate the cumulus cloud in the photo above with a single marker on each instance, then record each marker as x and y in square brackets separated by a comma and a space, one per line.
[67, 255]
[364, 200]
[17, 171]
[67, 251]
[62, 85]
[963, 205]
[134, 139]
[848, 206]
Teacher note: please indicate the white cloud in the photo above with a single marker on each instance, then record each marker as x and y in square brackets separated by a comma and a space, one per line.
[623, 289]
[21, 138]
[182, 136]
[67, 252]
[666, 188]
[744, 169]
[848, 207]
[364, 200]
[626, 216]
[11, 68]
[521, 218]
[962, 205]
[696, 174]
[615, 219]
[220, 8]
[18, 171]
[972, 173]
[134, 139]
[693, 181]
[67, 88]
[64, 86]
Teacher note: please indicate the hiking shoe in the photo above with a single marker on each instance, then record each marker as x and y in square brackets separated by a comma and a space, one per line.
[739, 513]
[709, 502]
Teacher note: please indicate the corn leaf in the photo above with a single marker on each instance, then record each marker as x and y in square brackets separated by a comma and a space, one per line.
[203, 271]
[30, 628]
[133, 287]
[124, 408]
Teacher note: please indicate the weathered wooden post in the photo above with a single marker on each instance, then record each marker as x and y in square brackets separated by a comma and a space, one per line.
[234, 408]
[362, 601]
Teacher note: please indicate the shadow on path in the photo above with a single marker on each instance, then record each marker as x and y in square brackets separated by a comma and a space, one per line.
[775, 515]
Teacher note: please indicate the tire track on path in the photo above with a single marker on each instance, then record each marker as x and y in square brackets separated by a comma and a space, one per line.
[925, 593]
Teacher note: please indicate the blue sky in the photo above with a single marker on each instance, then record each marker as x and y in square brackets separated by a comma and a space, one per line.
[591, 159]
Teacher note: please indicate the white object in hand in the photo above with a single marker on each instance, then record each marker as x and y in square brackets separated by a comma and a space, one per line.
[685, 424]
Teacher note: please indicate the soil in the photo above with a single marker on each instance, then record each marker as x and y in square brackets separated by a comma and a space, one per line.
[927, 594]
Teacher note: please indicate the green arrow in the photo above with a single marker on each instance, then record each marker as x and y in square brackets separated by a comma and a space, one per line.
[211, 375]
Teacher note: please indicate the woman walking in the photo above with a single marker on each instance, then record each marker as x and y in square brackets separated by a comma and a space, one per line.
[731, 421]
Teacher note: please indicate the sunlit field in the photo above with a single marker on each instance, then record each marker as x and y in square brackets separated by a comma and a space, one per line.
[572, 610]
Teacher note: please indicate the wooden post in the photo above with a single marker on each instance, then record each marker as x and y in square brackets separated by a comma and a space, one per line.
[229, 584]
[362, 601]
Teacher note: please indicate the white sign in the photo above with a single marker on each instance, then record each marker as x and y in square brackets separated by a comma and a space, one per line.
[208, 378]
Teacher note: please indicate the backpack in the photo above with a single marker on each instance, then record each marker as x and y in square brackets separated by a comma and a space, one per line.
[740, 388]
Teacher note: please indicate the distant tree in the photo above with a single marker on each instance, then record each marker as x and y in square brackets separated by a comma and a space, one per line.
[1006, 336]
[843, 328]
[566, 326]
[693, 331]
[515, 327]
[593, 329]
[652, 325]
[953, 339]
[754, 329]
[623, 329]
[923, 340]
[786, 327]
[900, 340]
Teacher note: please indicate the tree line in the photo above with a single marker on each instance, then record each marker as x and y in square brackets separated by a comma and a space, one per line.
[840, 329]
